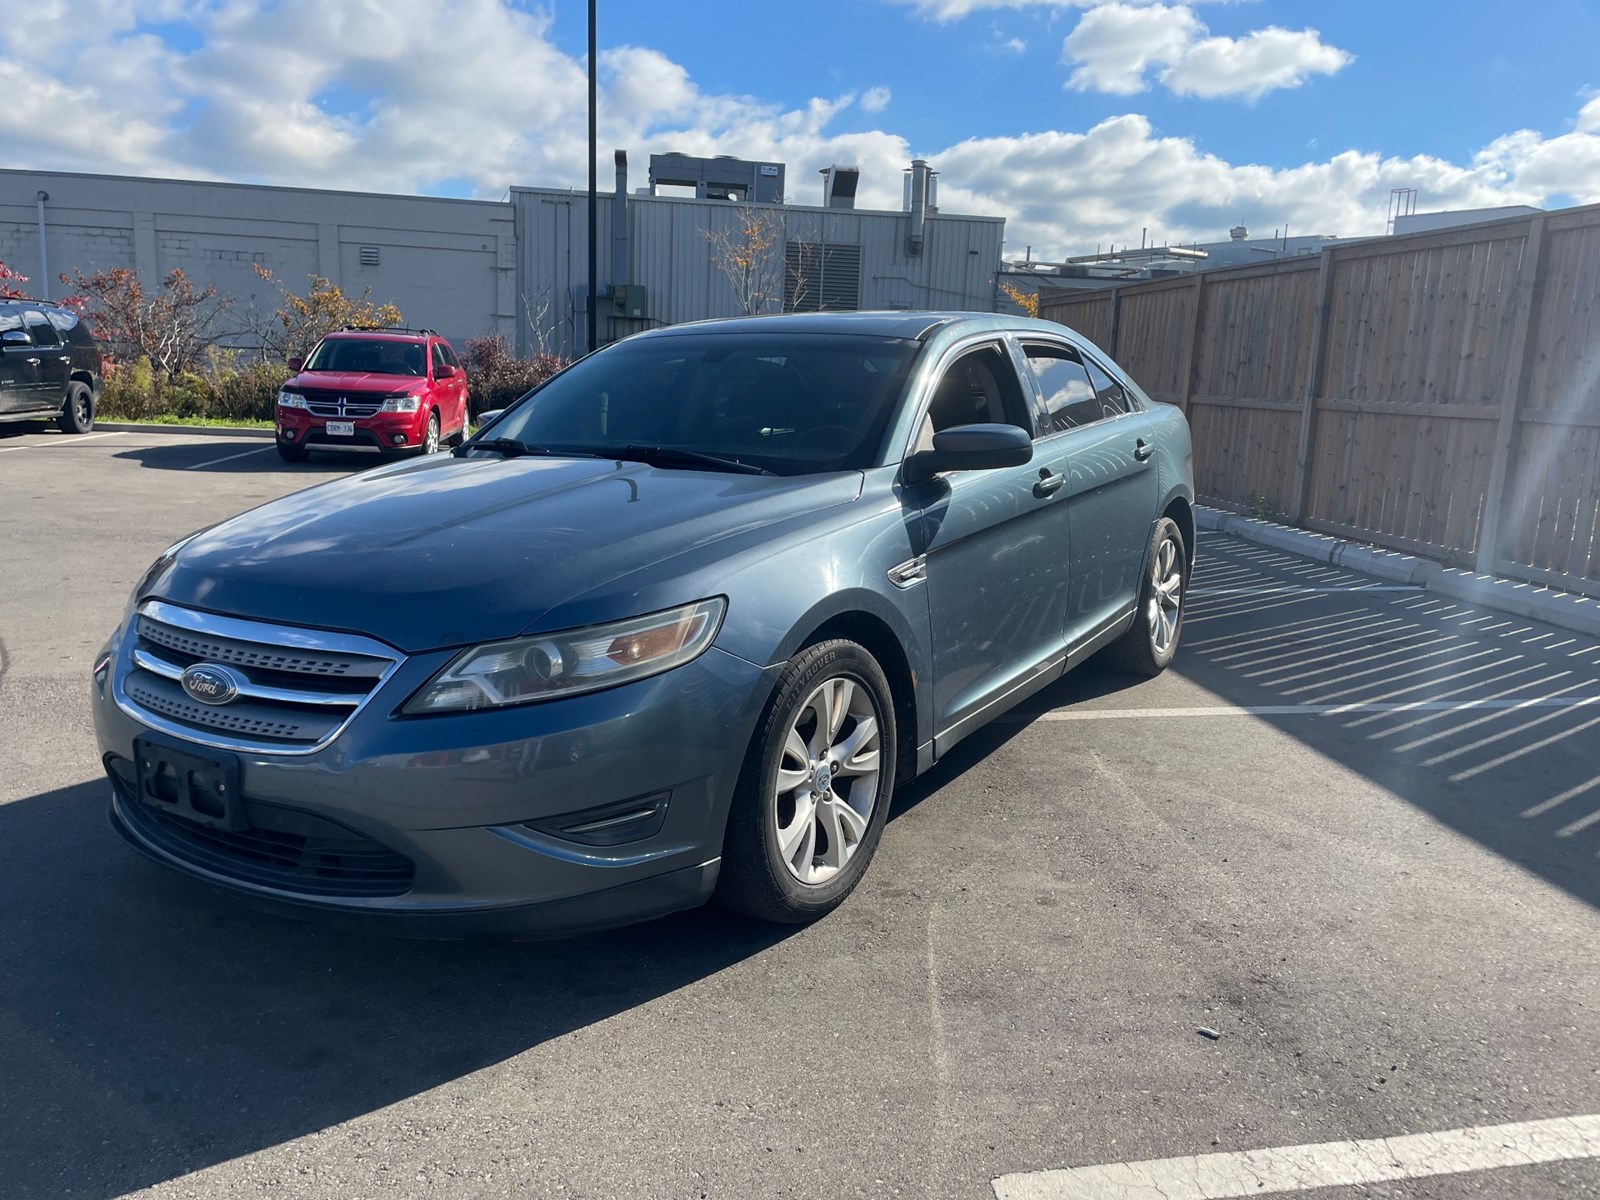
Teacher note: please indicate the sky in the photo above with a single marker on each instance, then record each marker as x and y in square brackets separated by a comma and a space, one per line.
[1085, 123]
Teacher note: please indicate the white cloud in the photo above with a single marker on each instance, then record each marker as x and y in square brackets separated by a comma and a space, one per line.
[954, 10]
[875, 99]
[1253, 65]
[262, 102]
[1016, 45]
[1117, 44]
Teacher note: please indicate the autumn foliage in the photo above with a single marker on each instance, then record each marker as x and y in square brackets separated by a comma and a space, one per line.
[301, 319]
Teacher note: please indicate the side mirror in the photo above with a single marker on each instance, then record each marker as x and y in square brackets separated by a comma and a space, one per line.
[444, 371]
[296, 363]
[15, 337]
[485, 418]
[970, 448]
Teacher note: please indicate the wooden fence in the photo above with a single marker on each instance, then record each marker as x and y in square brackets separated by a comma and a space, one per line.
[1437, 393]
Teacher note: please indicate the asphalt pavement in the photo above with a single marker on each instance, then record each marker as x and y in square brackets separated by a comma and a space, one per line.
[1354, 833]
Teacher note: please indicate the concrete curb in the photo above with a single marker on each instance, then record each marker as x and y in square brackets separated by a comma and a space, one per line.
[1566, 610]
[201, 430]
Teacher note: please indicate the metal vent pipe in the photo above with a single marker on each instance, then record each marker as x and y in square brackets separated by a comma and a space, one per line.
[621, 271]
[919, 204]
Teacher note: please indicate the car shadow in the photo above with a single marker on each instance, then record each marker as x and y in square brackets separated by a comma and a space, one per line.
[150, 1027]
[258, 457]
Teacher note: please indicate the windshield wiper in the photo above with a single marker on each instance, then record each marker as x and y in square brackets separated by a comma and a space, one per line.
[509, 447]
[672, 456]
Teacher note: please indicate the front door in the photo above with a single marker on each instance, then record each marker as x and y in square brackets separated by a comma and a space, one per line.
[996, 554]
[19, 364]
[55, 361]
[1103, 443]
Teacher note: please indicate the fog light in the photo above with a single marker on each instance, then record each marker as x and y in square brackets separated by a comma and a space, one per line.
[399, 439]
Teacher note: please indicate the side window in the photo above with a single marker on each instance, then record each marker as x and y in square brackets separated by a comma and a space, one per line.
[449, 354]
[62, 320]
[980, 387]
[44, 333]
[438, 357]
[1069, 396]
[10, 318]
[1113, 397]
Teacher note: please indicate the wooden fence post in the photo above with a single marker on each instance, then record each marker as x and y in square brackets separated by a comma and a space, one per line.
[1116, 320]
[1191, 354]
[1530, 278]
[1301, 498]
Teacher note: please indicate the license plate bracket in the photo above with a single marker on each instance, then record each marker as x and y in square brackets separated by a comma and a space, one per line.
[203, 788]
[341, 428]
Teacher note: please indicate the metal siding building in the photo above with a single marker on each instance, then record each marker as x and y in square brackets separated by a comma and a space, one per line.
[671, 257]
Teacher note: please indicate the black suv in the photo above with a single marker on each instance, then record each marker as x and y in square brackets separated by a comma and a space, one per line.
[49, 365]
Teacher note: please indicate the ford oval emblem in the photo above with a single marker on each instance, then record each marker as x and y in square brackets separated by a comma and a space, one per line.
[210, 683]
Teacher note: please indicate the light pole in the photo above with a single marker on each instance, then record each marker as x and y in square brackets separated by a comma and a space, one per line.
[594, 244]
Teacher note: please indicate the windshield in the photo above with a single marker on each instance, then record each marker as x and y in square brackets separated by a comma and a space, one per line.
[377, 356]
[792, 404]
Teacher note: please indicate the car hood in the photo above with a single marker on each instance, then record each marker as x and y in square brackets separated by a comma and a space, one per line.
[354, 381]
[446, 551]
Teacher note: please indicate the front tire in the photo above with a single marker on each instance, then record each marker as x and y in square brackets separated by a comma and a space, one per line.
[430, 440]
[1149, 647]
[291, 453]
[77, 414]
[813, 796]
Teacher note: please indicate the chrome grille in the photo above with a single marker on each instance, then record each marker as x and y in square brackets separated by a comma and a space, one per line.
[299, 687]
[328, 403]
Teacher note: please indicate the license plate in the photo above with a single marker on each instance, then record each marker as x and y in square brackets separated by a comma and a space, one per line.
[341, 428]
[203, 788]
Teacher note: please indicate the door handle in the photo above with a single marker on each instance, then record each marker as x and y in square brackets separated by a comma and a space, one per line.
[65, 358]
[1142, 450]
[32, 362]
[1049, 484]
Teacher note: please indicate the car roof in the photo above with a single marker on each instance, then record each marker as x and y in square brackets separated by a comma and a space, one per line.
[894, 324]
[390, 335]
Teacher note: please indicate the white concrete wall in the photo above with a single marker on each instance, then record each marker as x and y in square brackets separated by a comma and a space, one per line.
[449, 265]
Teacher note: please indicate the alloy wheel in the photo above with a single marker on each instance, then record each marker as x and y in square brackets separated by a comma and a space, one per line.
[1166, 596]
[827, 780]
[430, 440]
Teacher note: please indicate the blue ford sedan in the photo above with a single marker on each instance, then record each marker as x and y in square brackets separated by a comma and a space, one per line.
[671, 627]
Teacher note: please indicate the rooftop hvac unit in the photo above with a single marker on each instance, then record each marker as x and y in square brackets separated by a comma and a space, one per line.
[839, 185]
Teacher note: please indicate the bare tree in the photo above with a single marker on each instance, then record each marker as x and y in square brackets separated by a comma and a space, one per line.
[750, 257]
[171, 326]
[541, 325]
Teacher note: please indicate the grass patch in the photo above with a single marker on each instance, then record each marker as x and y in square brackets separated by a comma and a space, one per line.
[222, 422]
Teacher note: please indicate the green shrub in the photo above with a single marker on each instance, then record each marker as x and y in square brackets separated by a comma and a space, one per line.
[134, 391]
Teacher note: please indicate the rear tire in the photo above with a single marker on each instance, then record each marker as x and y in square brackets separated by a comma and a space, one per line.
[1148, 647]
[77, 414]
[814, 793]
[291, 453]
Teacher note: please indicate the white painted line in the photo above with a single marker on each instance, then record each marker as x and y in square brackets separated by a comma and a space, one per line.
[1324, 1165]
[1293, 590]
[1303, 710]
[65, 440]
[212, 462]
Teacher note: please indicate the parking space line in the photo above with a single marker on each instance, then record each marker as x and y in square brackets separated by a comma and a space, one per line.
[1303, 710]
[212, 462]
[1323, 1165]
[63, 441]
[1292, 590]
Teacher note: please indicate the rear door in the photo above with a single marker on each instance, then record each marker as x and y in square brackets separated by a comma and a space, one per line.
[995, 551]
[1103, 443]
[19, 365]
[55, 359]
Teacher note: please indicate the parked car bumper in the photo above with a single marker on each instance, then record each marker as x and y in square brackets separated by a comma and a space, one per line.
[477, 823]
[385, 431]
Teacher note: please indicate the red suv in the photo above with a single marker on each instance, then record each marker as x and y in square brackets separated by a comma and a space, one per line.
[395, 390]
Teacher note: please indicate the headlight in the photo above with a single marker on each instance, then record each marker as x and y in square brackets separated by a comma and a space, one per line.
[291, 400]
[401, 404]
[548, 665]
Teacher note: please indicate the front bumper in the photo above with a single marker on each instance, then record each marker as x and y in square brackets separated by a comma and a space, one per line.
[476, 806]
[384, 431]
